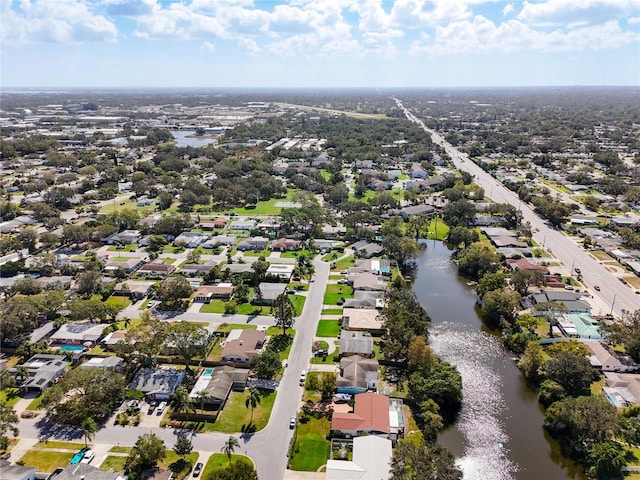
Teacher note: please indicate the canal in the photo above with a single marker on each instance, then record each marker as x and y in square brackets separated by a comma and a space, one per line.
[499, 433]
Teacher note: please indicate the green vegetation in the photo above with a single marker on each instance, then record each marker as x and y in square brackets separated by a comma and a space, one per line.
[118, 301]
[332, 311]
[46, 460]
[113, 463]
[310, 448]
[328, 328]
[235, 416]
[335, 293]
[220, 460]
[53, 444]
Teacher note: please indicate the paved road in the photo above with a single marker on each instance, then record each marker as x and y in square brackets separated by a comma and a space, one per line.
[613, 295]
[269, 447]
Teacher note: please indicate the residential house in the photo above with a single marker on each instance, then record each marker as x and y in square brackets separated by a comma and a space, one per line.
[210, 225]
[113, 338]
[197, 269]
[377, 266]
[282, 271]
[417, 172]
[524, 264]
[237, 268]
[367, 250]
[129, 265]
[206, 293]
[605, 359]
[123, 238]
[43, 370]
[370, 460]
[158, 384]
[357, 375]
[370, 416]
[16, 472]
[268, 293]
[253, 243]
[365, 299]
[56, 282]
[242, 345]
[190, 239]
[363, 320]
[243, 225]
[156, 268]
[79, 333]
[621, 389]
[108, 363]
[85, 471]
[218, 383]
[571, 299]
[507, 241]
[355, 343]
[415, 210]
[367, 281]
[136, 289]
[285, 245]
[579, 325]
[226, 240]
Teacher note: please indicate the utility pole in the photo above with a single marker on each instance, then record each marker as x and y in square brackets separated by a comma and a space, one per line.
[612, 304]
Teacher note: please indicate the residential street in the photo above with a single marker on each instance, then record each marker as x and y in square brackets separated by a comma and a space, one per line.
[614, 296]
[269, 447]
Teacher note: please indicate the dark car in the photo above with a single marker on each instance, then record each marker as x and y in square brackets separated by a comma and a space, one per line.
[197, 469]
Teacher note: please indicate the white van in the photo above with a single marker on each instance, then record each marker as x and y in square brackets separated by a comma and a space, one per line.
[161, 408]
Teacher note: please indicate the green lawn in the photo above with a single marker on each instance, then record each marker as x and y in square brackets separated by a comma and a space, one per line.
[335, 292]
[227, 327]
[217, 306]
[310, 448]
[438, 230]
[235, 417]
[35, 403]
[120, 449]
[113, 463]
[294, 254]
[259, 253]
[75, 446]
[344, 263]
[298, 303]
[10, 396]
[119, 301]
[267, 207]
[220, 460]
[46, 461]
[131, 247]
[171, 461]
[332, 311]
[328, 328]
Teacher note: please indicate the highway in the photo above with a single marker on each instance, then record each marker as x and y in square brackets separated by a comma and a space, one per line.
[613, 297]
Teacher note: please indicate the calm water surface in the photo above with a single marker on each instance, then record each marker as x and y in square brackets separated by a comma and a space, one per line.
[183, 139]
[499, 434]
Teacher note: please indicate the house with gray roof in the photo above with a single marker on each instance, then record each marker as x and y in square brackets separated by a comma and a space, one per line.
[43, 370]
[357, 375]
[218, 384]
[79, 333]
[355, 343]
[158, 384]
[269, 292]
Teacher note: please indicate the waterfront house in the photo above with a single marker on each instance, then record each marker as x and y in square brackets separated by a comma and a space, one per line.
[370, 460]
[370, 416]
[357, 375]
[355, 343]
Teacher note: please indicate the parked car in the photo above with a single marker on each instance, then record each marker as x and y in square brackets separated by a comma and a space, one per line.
[292, 423]
[303, 377]
[161, 408]
[596, 288]
[88, 456]
[197, 469]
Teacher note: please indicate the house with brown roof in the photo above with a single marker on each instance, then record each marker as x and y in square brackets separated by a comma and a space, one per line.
[362, 319]
[370, 416]
[206, 293]
[284, 245]
[524, 264]
[218, 383]
[129, 265]
[242, 345]
[137, 290]
[156, 268]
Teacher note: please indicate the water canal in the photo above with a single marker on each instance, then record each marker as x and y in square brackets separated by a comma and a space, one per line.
[499, 433]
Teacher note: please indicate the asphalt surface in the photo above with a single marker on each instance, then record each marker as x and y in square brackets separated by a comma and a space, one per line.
[269, 447]
[613, 297]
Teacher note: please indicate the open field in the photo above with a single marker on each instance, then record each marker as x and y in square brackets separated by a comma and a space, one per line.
[374, 116]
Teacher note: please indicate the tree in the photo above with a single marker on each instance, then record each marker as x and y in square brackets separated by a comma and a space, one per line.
[173, 289]
[532, 361]
[522, 279]
[328, 384]
[266, 365]
[89, 429]
[234, 471]
[252, 400]
[143, 342]
[425, 462]
[477, 260]
[420, 355]
[573, 372]
[88, 282]
[94, 393]
[230, 446]
[193, 256]
[606, 460]
[462, 235]
[201, 396]
[8, 421]
[441, 383]
[402, 249]
[187, 340]
[627, 333]
[183, 446]
[283, 311]
[551, 310]
[499, 305]
[491, 282]
[146, 453]
[580, 423]
[181, 401]
[241, 293]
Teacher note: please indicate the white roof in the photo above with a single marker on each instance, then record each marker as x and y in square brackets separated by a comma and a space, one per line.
[371, 461]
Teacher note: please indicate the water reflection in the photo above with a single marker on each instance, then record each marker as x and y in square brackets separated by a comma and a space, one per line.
[499, 434]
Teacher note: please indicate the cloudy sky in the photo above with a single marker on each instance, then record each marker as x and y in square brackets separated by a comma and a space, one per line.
[318, 43]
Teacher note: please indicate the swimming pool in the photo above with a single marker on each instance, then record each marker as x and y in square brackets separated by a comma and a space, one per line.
[71, 348]
[208, 372]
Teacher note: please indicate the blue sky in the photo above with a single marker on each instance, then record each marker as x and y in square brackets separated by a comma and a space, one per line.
[318, 43]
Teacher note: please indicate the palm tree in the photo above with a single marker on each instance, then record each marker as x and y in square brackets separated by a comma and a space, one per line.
[22, 374]
[181, 401]
[202, 396]
[89, 429]
[230, 446]
[253, 400]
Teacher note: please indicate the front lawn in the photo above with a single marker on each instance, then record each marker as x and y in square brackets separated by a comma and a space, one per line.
[344, 263]
[236, 417]
[220, 460]
[10, 396]
[298, 303]
[259, 253]
[328, 328]
[75, 446]
[130, 247]
[180, 468]
[332, 311]
[310, 445]
[295, 254]
[217, 306]
[335, 292]
[46, 460]
[113, 463]
[437, 230]
[118, 301]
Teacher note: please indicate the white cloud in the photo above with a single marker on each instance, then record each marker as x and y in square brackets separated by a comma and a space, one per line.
[208, 47]
[130, 8]
[562, 12]
[481, 35]
[508, 8]
[53, 22]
